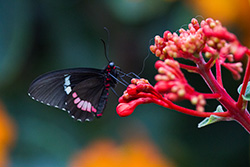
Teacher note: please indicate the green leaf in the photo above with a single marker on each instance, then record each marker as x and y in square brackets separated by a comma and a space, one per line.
[247, 93]
[212, 119]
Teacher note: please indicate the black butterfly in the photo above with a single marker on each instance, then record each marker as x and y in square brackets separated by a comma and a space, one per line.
[82, 92]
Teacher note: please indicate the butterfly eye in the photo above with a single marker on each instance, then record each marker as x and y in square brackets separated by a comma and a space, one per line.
[111, 64]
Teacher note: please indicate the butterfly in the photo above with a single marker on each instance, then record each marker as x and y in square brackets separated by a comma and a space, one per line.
[82, 92]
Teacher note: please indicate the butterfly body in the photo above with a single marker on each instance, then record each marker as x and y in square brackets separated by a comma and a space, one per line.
[83, 92]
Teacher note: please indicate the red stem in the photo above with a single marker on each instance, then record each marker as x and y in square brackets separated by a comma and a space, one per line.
[244, 85]
[218, 72]
[189, 68]
[211, 96]
[168, 104]
[195, 113]
[243, 118]
[236, 113]
[210, 63]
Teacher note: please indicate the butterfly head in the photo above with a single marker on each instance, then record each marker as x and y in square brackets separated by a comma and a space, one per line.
[111, 73]
[111, 65]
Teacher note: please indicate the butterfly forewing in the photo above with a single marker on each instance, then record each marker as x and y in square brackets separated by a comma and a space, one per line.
[48, 89]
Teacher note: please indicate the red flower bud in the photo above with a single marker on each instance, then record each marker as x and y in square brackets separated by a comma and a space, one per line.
[125, 109]
[161, 87]
[159, 64]
[166, 35]
[239, 53]
[131, 90]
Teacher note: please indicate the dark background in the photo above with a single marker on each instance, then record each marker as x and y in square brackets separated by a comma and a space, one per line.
[41, 36]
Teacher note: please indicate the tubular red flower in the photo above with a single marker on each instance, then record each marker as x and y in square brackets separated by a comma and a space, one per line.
[126, 109]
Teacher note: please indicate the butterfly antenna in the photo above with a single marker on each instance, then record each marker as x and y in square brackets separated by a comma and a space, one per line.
[199, 16]
[106, 47]
[105, 50]
[144, 61]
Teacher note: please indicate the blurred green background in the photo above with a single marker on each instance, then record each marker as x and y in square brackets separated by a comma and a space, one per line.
[41, 36]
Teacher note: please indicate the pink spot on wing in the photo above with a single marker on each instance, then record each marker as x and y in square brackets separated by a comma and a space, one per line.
[77, 100]
[74, 95]
[89, 107]
[99, 115]
[84, 106]
[93, 109]
[79, 105]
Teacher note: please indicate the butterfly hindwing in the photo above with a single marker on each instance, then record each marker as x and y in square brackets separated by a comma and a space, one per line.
[84, 99]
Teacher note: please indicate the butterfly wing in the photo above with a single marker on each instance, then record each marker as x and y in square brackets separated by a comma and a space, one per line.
[56, 89]
[84, 101]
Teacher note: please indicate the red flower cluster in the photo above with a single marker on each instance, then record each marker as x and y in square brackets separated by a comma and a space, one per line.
[209, 37]
[207, 44]
[171, 86]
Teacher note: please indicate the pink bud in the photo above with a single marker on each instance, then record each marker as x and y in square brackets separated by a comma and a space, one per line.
[158, 52]
[125, 109]
[131, 90]
[142, 87]
[239, 53]
[161, 86]
[167, 35]
[153, 48]
[121, 100]
[195, 23]
[159, 64]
